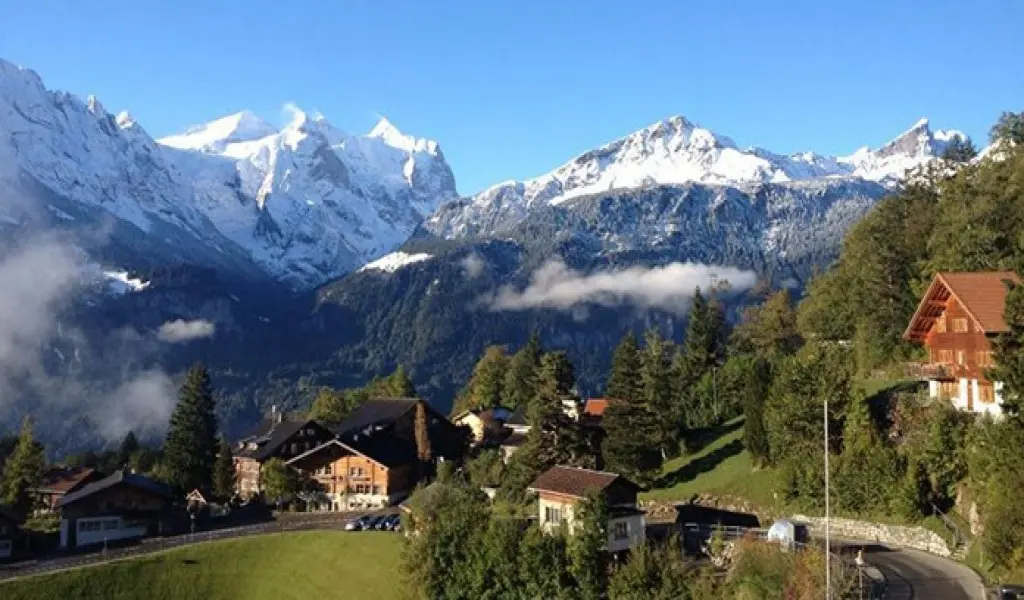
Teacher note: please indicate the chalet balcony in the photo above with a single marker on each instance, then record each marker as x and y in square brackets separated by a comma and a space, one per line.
[928, 371]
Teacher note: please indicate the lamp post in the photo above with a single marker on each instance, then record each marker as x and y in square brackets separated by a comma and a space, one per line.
[828, 546]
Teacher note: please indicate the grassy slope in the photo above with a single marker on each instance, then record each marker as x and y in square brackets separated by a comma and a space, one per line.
[722, 467]
[298, 565]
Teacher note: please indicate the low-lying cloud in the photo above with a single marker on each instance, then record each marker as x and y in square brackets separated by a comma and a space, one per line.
[670, 287]
[473, 265]
[179, 330]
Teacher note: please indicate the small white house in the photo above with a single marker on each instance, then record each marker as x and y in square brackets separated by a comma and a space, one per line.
[561, 489]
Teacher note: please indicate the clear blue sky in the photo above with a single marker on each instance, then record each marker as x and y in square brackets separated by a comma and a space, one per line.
[512, 89]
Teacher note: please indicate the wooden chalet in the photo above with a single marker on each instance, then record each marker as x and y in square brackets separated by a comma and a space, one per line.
[58, 482]
[373, 460]
[561, 489]
[275, 437]
[122, 506]
[956, 321]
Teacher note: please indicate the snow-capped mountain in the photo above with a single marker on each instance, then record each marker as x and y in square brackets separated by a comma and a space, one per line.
[302, 204]
[676, 151]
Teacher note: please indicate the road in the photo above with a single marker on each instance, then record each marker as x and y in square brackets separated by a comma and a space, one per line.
[914, 575]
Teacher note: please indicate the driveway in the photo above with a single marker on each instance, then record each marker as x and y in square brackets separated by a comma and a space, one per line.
[915, 575]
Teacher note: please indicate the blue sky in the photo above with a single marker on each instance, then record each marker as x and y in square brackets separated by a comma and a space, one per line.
[514, 89]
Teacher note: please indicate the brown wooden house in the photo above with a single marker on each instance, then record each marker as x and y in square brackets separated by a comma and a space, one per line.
[956, 321]
[58, 482]
[274, 437]
[119, 507]
[561, 489]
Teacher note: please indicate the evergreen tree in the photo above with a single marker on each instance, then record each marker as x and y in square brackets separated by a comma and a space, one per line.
[1009, 127]
[484, 389]
[224, 471]
[769, 329]
[331, 407]
[960, 150]
[867, 472]
[704, 347]
[129, 446]
[1008, 353]
[520, 382]
[190, 449]
[624, 378]
[424, 454]
[586, 546]
[656, 388]
[754, 395]
[23, 471]
[401, 385]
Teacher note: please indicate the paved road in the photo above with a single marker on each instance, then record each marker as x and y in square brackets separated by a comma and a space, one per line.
[914, 575]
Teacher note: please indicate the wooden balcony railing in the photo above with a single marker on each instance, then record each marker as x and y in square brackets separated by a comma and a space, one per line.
[924, 371]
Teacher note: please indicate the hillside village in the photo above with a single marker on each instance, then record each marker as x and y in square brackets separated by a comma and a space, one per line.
[911, 351]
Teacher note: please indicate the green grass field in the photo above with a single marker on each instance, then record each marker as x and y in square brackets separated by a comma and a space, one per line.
[723, 467]
[299, 565]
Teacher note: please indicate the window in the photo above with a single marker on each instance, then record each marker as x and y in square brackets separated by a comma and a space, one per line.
[985, 358]
[327, 469]
[620, 531]
[946, 356]
[960, 358]
[376, 490]
[552, 515]
[960, 325]
[949, 389]
[940, 324]
[986, 393]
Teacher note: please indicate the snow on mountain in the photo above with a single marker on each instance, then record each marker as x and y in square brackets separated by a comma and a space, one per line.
[389, 263]
[301, 204]
[673, 152]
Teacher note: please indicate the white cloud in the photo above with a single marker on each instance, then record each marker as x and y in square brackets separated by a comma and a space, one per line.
[473, 265]
[671, 287]
[180, 330]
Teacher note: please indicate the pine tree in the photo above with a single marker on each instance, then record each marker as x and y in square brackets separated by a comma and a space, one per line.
[22, 471]
[520, 382]
[624, 378]
[484, 389]
[702, 351]
[224, 471]
[190, 449]
[1008, 353]
[421, 432]
[632, 442]
[768, 330]
[960, 150]
[555, 438]
[129, 446]
[1009, 127]
[754, 395]
[656, 387]
[586, 546]
[401, 385]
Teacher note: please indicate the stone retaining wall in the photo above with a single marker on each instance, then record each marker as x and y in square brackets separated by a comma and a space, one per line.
[901, 536]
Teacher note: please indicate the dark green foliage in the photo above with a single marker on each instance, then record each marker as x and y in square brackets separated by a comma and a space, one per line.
[190, 449]
[754, 394]
[701, 353]
[996, 468]
[278, 481]
[960, 150]
[657, 390]
[331, 407]
[868, 471]
[1009, 127]
[794, 416]
[768, 329]
[486, 469]
[652, 572]
[586, 547]
[129, 446]
[1009, 352]
[555, 437]
[224, 471]
[520, 381]
[484, 389]
[23, 471]
[624, 378]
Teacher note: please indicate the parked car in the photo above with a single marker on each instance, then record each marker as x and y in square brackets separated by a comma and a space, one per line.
[373, 522]
[1007, 592]
[385, 523]
[356, 524]
[396, 523]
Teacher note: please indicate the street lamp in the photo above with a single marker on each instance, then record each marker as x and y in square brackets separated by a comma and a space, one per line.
[828, 546]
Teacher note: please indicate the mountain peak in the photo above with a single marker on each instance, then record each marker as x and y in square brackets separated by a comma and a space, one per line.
[386, 131]
[242, 126]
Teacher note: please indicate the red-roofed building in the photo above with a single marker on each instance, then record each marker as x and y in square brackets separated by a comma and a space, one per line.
[60, 481]
[956, 321]
[595, 407]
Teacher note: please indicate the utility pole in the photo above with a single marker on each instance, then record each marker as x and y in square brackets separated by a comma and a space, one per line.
[828, 545]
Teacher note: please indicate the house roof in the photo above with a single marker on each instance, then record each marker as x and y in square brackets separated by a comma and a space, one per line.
[376, 411]
[496, 414]
[514, 440]
[981, 294]
[119, 477]
[61, 480]
[595, 406]
[517, 418]
[269, 436]
[571, 481]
